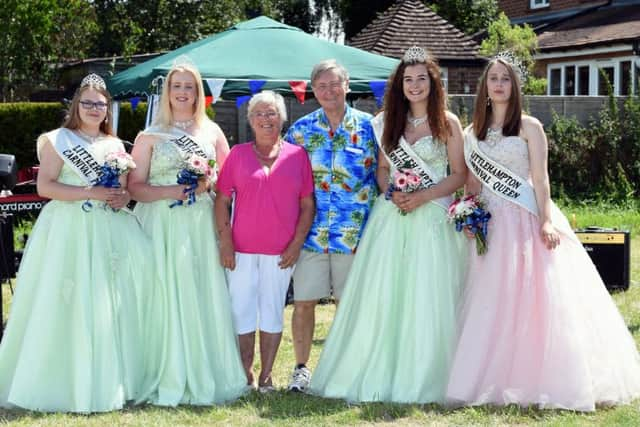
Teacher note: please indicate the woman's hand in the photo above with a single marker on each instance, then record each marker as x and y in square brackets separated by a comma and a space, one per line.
[227, 254]
[409, 202]
[203, 185]
[549, 235]
[118, 198]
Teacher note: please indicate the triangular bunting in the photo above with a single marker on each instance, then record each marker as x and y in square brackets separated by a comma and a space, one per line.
[242, 99]
[215, 87]
[378, 87]
[256, 85]
[134, 102]
[299, 88]
[208, 100]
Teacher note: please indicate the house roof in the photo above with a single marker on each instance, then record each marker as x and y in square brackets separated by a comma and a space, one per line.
[409, 23]
[618, 22]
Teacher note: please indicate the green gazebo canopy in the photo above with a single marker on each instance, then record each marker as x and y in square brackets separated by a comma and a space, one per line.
[258, 49]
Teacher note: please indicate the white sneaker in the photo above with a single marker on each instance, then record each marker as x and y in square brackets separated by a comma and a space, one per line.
[300, 379]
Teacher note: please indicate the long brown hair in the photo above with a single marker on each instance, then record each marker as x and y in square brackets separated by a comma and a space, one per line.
[72, 119]
[483, 108]
[396, 106]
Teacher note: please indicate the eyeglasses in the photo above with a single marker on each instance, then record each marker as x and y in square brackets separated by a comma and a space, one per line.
[90, 105]
[323, 87]
[265, 115]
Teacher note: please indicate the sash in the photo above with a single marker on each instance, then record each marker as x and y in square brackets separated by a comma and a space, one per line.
[504, 183]
[186, 144]
[404, 156]
[74, 151]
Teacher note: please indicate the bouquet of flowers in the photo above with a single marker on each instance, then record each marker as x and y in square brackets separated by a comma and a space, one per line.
[195, 168]
[115, 164]
[469, 212]
[405, 181]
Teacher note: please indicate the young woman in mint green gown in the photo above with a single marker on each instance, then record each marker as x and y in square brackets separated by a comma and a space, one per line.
[392, 337]
[191, 352]
[72, 342]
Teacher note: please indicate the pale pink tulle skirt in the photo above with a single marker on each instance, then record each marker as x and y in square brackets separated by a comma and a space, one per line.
[538, 327]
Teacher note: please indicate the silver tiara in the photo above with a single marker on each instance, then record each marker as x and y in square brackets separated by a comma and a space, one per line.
[95, 81]
[516, 64]
[415, 54]
[183, 61]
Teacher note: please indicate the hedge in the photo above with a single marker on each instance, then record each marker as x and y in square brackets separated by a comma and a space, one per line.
[21, 124]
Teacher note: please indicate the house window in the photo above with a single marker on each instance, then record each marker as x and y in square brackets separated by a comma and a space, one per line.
[626, 80]
[537, 4]
[583, 80]
[570, 80]
[593, 78]
[555, 82]
[605, 78]
[444, 76]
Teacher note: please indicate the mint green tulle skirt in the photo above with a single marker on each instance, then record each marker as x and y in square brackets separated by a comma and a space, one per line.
[73, 338]
[191, 350]
[393, 335]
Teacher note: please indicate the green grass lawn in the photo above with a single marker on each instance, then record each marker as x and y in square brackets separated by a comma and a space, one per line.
[284, 409]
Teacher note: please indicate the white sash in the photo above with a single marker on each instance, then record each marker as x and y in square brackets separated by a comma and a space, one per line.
[187, 144]
[75, 153]
[507, 184]
[404, 156]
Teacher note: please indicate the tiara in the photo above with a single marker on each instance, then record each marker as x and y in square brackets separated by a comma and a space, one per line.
[95, 81]
[183, 61]
[516, 64]
[415, 54]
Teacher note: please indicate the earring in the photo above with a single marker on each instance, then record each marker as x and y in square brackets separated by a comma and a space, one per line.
[488, 102]
[106, 120]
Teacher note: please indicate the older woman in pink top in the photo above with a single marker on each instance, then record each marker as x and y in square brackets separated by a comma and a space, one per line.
[271, 186]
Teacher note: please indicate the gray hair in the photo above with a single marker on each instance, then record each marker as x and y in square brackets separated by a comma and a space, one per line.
[271, 98]
[329, 65]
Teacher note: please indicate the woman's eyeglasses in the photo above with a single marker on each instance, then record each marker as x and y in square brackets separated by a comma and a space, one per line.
[265, 115]
[90, 105]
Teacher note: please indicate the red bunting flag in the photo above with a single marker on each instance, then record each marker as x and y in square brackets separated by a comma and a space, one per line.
[299, 88]
[208, 100]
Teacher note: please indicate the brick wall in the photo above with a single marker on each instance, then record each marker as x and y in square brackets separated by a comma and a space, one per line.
[519, 8]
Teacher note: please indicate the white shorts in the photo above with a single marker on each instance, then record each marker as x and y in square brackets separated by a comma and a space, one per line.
[258, 289]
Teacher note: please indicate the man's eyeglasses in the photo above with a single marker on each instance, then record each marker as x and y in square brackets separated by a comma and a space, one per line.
[90, 105]
[323, 87]
[265, 115]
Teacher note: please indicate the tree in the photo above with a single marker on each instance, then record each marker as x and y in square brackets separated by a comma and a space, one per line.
[469, 16]
[36, 36]
[519, 40]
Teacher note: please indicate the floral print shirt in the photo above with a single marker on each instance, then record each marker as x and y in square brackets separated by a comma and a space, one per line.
[344, 165]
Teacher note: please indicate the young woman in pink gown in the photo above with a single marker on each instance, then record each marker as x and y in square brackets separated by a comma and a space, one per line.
[537, 325]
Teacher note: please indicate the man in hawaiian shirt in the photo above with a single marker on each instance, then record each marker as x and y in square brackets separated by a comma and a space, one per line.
[342, 150]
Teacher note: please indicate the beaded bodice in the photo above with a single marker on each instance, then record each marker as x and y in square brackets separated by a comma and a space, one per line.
[167, 160]
[433, 153]
[510, 151]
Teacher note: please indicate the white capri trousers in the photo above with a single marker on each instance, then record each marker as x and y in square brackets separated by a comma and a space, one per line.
[258, 289]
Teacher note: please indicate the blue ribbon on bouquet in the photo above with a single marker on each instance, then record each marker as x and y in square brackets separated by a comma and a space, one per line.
[477, 221]
[190, 178]
[110, 178]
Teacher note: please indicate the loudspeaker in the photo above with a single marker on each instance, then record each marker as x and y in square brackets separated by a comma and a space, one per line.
[8, 171]
[609, 250]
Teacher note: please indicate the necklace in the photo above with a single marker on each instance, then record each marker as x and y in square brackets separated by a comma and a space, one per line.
[183, 124]
[89, 138]
[268, 158]
[493, 136]
[417, 121]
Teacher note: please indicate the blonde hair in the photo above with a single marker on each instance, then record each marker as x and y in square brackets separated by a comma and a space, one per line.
[72, 119]
[165, 115]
